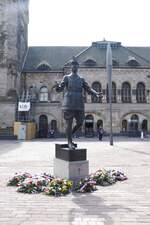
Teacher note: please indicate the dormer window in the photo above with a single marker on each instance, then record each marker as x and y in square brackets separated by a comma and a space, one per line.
[115, 63]
[90, 63]
[43, 66]
[132, 62]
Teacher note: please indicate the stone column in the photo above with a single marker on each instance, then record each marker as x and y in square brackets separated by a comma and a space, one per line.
[148, 96]
[118, 93]
[133, 95]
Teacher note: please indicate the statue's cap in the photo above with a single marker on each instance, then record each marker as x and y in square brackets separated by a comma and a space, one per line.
[74, 61]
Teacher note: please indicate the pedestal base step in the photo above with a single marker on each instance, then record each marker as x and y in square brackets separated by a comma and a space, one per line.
[71, 170]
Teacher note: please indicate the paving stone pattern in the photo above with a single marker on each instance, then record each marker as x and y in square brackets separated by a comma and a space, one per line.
[124, 203]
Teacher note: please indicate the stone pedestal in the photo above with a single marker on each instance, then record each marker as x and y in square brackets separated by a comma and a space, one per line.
[70, 164]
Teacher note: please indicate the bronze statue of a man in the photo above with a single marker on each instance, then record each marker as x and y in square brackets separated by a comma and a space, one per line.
[73, 103]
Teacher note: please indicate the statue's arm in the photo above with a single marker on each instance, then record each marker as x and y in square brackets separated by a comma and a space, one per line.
[59, 87]
[90, 90]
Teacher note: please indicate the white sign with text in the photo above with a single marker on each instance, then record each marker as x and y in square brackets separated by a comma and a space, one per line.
[23, 106]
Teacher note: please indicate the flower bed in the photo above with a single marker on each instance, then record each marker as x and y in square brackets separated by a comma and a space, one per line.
[52, 186]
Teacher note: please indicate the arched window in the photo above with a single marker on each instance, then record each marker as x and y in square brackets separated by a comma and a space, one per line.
[54, 125]
[140, 93]
[114, 98]
[97, 87]
[126, 92]
[43, 94]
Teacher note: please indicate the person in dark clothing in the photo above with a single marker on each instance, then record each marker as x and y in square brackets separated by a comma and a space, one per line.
[100, 133]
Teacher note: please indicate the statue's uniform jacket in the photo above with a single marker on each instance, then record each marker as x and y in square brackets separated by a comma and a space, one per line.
[74, 86]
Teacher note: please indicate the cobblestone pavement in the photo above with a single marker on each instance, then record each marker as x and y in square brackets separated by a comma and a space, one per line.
[124, 203]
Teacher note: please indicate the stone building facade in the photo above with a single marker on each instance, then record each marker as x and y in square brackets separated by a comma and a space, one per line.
[32, 80]
[130, 86]
[13, 48]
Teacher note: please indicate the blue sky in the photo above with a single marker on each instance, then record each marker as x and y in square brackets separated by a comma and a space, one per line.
[80, 22]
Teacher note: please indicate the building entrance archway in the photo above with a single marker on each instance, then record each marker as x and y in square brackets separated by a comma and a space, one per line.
[144, 125]
[89, 126]
[134, 123]
[43, 126]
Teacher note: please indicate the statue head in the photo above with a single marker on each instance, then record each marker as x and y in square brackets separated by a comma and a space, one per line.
[74, 64]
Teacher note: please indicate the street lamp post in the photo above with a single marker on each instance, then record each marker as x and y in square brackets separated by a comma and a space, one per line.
[109, 75]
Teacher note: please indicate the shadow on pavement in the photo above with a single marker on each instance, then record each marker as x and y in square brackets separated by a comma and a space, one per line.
[133, 150]
[7, 146]
[93, 208]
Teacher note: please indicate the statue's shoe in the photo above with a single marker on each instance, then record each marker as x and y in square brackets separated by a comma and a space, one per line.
[72, 146]
[75, 144]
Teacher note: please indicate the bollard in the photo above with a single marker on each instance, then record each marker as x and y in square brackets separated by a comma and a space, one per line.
[142, 135]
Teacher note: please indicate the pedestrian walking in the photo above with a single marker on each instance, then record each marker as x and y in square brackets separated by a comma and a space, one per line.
[100, 133]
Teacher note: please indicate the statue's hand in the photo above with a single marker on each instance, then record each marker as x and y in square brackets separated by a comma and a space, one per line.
[100, 95]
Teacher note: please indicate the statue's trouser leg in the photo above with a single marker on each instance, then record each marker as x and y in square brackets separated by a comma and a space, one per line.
[77, 126]
[69, 130]
[79, 116]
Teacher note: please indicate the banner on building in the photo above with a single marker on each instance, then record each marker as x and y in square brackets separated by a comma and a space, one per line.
[23, 106]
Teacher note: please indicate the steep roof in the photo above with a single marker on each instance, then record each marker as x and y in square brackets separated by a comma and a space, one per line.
[58, 56]
[144, 52]
[55, 56]
[120, 54]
